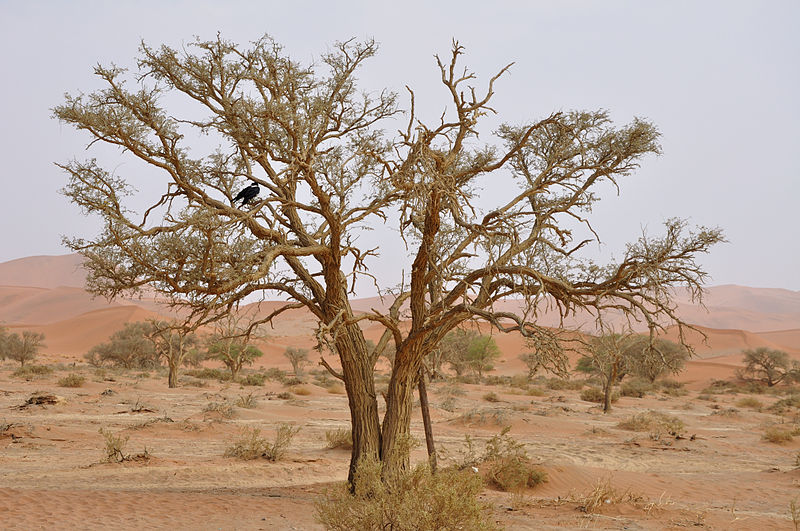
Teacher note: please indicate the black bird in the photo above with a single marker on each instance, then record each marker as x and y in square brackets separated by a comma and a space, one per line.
[247, 194]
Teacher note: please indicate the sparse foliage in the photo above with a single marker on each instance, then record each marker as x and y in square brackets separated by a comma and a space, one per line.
[327, 169]
[298, 357]
[23, 347]
[768, 366]
[129, 348]
[230, 342]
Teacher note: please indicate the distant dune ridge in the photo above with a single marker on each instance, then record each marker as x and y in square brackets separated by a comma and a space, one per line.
[45, 293]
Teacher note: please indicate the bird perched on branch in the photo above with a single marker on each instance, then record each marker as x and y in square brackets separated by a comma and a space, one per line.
[247, 194]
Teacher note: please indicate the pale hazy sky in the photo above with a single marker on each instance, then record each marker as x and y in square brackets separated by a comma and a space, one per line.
[720, 79]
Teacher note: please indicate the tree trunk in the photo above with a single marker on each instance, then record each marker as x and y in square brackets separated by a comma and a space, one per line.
[607, 398]
[234, 374]
[173, 375]
[426, 420]
[360, 384]
[397, 421]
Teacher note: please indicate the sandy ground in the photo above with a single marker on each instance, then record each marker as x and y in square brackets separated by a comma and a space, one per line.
[53, 474]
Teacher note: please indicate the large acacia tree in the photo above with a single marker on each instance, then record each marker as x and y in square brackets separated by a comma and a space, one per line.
[316, 146]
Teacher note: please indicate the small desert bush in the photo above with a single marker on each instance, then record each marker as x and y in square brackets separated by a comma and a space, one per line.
[481, 417]
[275, 374]
[251, 445]
[30, 372]
[636, 388]
[335, 388]
[114, 446]
[750, 402]
[509, 467]
[225, 409]
[208, 374]
[785, 404]
[300, 390]
[450, 389]
[72, 380]
[254, 379]
[595, 394]
[415, 500]
[341, 438]
[655, 422]
[491, 397]
[519, 381]
[560, 384]
[285, 395]
[248, 401]
[535, 391]
[448, 404]
[780, 434]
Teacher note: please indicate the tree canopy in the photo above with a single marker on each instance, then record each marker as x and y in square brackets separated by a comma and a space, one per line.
[328, 169]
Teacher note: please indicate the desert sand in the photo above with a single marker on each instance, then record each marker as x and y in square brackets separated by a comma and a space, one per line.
[718, 473]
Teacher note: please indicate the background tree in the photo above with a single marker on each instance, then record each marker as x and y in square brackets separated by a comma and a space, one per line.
[326, 168]
[298, 357]
[609, 356]
[768, 366]
[481, 354]
[651, 360]
[171, 341]
[230, 342]
[129, 348]
[23, 348]
[455, 347]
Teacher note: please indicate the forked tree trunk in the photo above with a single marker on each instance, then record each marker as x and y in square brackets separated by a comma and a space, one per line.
[397, 421]
[358, 379]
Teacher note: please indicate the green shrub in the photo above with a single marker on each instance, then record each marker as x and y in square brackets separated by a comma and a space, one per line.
[253, 379]
[72, 380]
[595, 394]
[415, 500]
[275, 374]
[208, 374]
[636, 388]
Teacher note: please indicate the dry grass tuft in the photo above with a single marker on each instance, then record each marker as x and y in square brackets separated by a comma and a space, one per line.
[341, 438]
[604, 494]
[657, 423]
[300, 390]
[415, 500]
[335, 388]
[72, 380]
[250, 444]
[248, 401]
